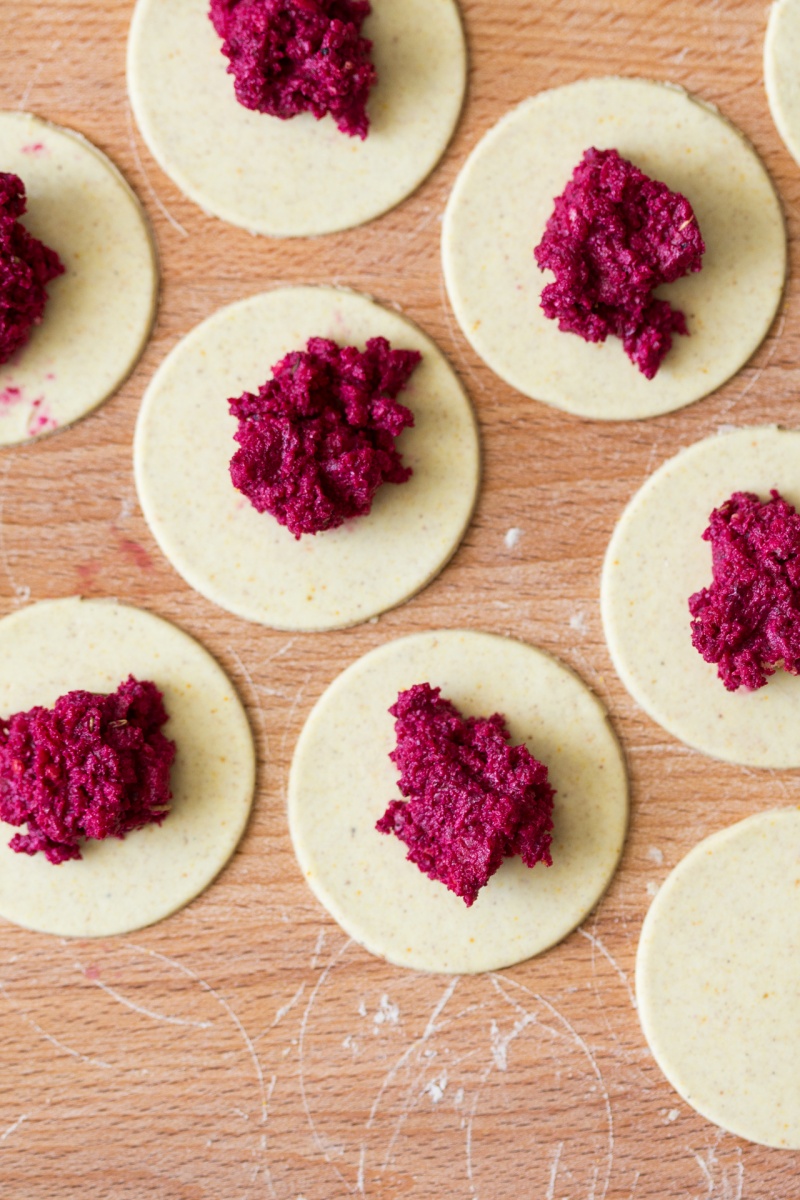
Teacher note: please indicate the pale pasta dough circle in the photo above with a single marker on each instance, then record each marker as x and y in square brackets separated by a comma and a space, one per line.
[100, 312]
[718, 976]
[504, 196]
[59, 646]
[657, 559]
[342, 780]
[299, 177]
[781, 51]
[244, 560]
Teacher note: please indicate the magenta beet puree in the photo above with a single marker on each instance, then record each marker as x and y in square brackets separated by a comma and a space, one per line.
[613, 237]
[26, 267]
[473, 800]
[748, 621]
[317, 441]
[294, 56]
[93, 766]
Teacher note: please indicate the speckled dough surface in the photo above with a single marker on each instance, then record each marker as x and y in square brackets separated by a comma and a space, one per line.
[244, 560]
[57, 646]
[342, 780]
[718, 978]
[656, 559]
[100, 312]
[502, 200]
[781, 55]
[299, 177]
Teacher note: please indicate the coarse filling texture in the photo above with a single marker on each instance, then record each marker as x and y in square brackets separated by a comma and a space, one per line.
[318, 439]
[294, 56]
[614, 236]
[748, 620]
[473, 800]
[93, 766]
[26, 268]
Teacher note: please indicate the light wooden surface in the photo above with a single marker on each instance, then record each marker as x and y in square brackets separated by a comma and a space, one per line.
[244, 1048]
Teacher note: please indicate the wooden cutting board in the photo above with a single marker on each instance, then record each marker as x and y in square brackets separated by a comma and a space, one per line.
[244, 1048]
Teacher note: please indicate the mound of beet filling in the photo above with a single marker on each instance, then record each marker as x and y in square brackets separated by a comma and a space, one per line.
[317, 441]
[293, 56]
[614, 236]
[93, 766]
[26, 267]
[473, 800]
[748, 621]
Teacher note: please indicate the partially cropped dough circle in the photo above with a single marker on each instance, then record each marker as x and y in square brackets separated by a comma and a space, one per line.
[657, 559]
[299, 177]
[100, 312]
[244, 560]
[781, 53]
[342, 780]
[718, 977]
[60, 646]
[504, 196]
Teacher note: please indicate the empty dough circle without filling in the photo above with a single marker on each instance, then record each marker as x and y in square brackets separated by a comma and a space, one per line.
[342, 780]
[55, 647]
[100, 312]
[500, 206]
[657, 559]
[718, 976]
[244, 560]
[781, 54]
[302, 176]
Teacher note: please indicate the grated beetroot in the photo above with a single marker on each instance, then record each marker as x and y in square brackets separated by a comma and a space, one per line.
[26, 267]
[614, 236]
[293, 56]
[94, 766]
[317, 441]
[748, 621]
[473, 800]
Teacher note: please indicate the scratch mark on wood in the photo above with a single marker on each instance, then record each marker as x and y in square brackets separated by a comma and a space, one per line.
[146, 1012]
[597, 944]
[140, 164]
[551, 1187]
[24, 1016]
[255, 698]
[13, 1127]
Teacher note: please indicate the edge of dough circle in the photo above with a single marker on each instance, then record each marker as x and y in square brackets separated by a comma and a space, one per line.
[781, 50]
[657, 559]
[504, 197]
[717, 978]
[301, 177]
[58, 646]
[244, 560]
[100, 312]
[342, 780]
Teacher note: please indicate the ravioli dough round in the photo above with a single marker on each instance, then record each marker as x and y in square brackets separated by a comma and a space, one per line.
[657, 559]
[60, 646]
[781, 51]
[342, 780]
[718, 978]
[100, 312]
[299, 177]
[504, 196]
[244, 560]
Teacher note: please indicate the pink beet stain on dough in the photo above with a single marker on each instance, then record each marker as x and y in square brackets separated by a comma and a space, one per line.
[35, 148]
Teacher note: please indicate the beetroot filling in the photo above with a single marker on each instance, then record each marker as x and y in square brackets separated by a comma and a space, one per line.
[93, 766]
[293, 56]
[748, 621]
[473, 800]
[26, 267]
[317, 441]
[614, 236]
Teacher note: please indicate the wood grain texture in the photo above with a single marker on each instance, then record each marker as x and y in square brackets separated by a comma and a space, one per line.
[244, 1048]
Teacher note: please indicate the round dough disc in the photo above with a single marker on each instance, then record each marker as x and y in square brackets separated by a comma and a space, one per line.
[100, 312]
[504, 196]
[59, 646]
[244, 560]
[781, 50]
[342, 780]
[718, 977]
[299, 177]
[657, 559]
